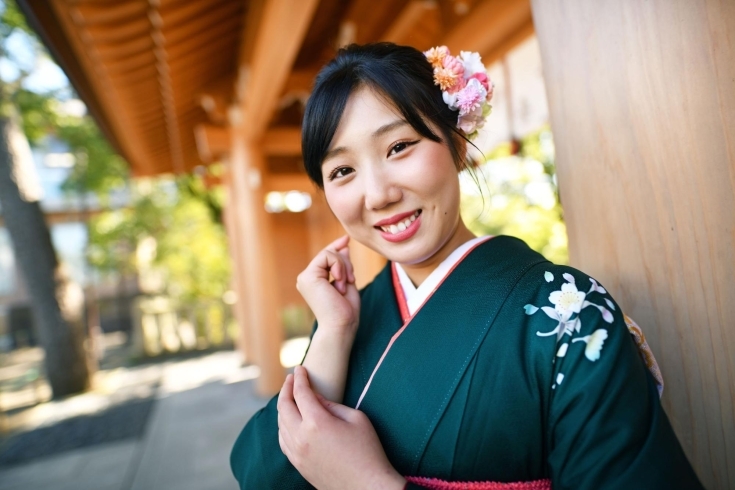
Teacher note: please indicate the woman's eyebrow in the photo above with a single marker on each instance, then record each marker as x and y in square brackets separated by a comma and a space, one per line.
[334, 152]
[388, 127]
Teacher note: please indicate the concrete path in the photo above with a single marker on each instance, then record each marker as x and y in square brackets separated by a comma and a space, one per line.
[203, 403]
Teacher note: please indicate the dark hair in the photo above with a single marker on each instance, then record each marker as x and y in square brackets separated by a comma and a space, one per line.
[401, 74]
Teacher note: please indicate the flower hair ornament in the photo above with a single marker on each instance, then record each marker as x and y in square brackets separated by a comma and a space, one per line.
[465, 86]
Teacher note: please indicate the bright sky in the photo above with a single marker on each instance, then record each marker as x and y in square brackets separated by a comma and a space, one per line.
[45, 74]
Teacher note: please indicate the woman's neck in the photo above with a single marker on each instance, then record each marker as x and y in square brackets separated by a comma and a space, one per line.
[419, 272]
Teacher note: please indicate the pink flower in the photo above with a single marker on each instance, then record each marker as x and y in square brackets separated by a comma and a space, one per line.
[490, 91]
[471, 96]
[482, 78]
[459, 84]
[471, 122]
[454, 65]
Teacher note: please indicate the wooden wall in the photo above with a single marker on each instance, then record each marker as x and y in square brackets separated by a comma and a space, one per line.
[642, 101]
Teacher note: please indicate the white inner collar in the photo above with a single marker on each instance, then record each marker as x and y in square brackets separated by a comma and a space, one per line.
[415, 296]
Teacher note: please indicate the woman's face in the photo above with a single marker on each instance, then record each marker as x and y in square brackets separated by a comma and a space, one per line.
[391, 189]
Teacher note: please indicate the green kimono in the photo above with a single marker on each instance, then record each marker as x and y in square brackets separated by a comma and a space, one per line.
[514, 370]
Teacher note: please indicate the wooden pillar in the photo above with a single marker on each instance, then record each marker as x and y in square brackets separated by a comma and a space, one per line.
[367, 263]
[256, 249]
[245, 339]
[642, 101]
[324, 228]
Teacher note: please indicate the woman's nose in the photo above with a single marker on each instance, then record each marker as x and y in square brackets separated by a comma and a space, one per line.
[380, 190]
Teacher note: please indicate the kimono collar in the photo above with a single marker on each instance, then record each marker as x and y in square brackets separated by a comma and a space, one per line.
[416, 296]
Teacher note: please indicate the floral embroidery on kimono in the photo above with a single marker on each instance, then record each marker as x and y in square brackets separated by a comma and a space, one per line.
[567, 303]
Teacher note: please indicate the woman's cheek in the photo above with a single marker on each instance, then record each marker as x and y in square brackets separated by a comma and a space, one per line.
[345, 205]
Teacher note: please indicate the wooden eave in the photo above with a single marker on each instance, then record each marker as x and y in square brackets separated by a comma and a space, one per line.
[155, 74]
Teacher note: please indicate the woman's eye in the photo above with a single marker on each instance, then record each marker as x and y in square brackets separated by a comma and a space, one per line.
[340, 172]
[399, 147]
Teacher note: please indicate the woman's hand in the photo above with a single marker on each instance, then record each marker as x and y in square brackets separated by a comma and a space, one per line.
[331, 445]
[336, 305]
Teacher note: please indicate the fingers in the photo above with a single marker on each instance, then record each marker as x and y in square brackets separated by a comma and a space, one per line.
[306, 400]
[340, 411]
[345, 253]
[288, 412]
[326, 263]
[338, 244]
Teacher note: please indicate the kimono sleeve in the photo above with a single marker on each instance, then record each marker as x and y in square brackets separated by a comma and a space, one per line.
[257, 460]
[606, 427]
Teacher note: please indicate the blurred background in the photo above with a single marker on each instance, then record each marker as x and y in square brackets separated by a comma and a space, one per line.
[128, 110]
[154, 214]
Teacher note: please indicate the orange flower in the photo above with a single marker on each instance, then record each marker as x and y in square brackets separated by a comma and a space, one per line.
[445, 78]
[435, 56]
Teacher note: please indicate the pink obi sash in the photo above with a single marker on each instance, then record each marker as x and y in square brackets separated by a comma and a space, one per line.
[436, 484]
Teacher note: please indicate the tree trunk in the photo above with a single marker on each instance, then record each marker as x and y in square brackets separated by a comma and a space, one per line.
[56, 301]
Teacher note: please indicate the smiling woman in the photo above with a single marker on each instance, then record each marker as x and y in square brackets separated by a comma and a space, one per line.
[469, 362]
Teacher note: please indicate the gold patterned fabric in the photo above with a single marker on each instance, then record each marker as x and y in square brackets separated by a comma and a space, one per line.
[645, 352]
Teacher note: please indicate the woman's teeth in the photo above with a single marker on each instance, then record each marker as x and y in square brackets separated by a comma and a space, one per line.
[401, 225]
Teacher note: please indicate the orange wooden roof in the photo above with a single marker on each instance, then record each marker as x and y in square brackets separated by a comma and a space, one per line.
[155, 73]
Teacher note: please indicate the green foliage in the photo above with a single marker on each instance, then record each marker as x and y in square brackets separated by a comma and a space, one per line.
[99, 168]
[191, 248]
[11, 19]
[518, 196]
[181, 215]
[38, 111]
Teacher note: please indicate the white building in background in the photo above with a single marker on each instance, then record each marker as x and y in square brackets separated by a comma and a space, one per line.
[65, 216]
[523, 109]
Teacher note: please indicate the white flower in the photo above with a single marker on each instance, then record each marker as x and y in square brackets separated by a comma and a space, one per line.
[596, 287]
[562, 350]
[450, 100]
[594, 343]
[472, 63]
[567, 301]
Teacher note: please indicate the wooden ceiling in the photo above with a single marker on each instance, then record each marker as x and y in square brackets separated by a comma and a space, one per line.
[161, 75]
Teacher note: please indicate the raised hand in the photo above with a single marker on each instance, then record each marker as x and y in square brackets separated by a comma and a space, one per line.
[336, 305]
[331, 445]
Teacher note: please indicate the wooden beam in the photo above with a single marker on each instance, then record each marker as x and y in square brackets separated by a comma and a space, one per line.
[205, 51]
[119, 32]
[212, 142]
[108, 13]
[206, 21]
[300, 81]
[131, 63]
[166, 90]
[487, 25]
[204, 38]
[121, 50]
[500, 50]
[288, 182]
[216, 97]
[281, 31]
[407, 20]
[282, 142]
[117, 115]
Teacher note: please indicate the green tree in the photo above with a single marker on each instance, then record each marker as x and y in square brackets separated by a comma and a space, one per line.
[518, 196]
[57, 303]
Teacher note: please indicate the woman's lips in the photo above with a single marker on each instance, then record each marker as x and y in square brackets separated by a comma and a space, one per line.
[405, 234]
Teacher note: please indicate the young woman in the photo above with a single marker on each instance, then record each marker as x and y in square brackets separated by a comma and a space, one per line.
[466, 359]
